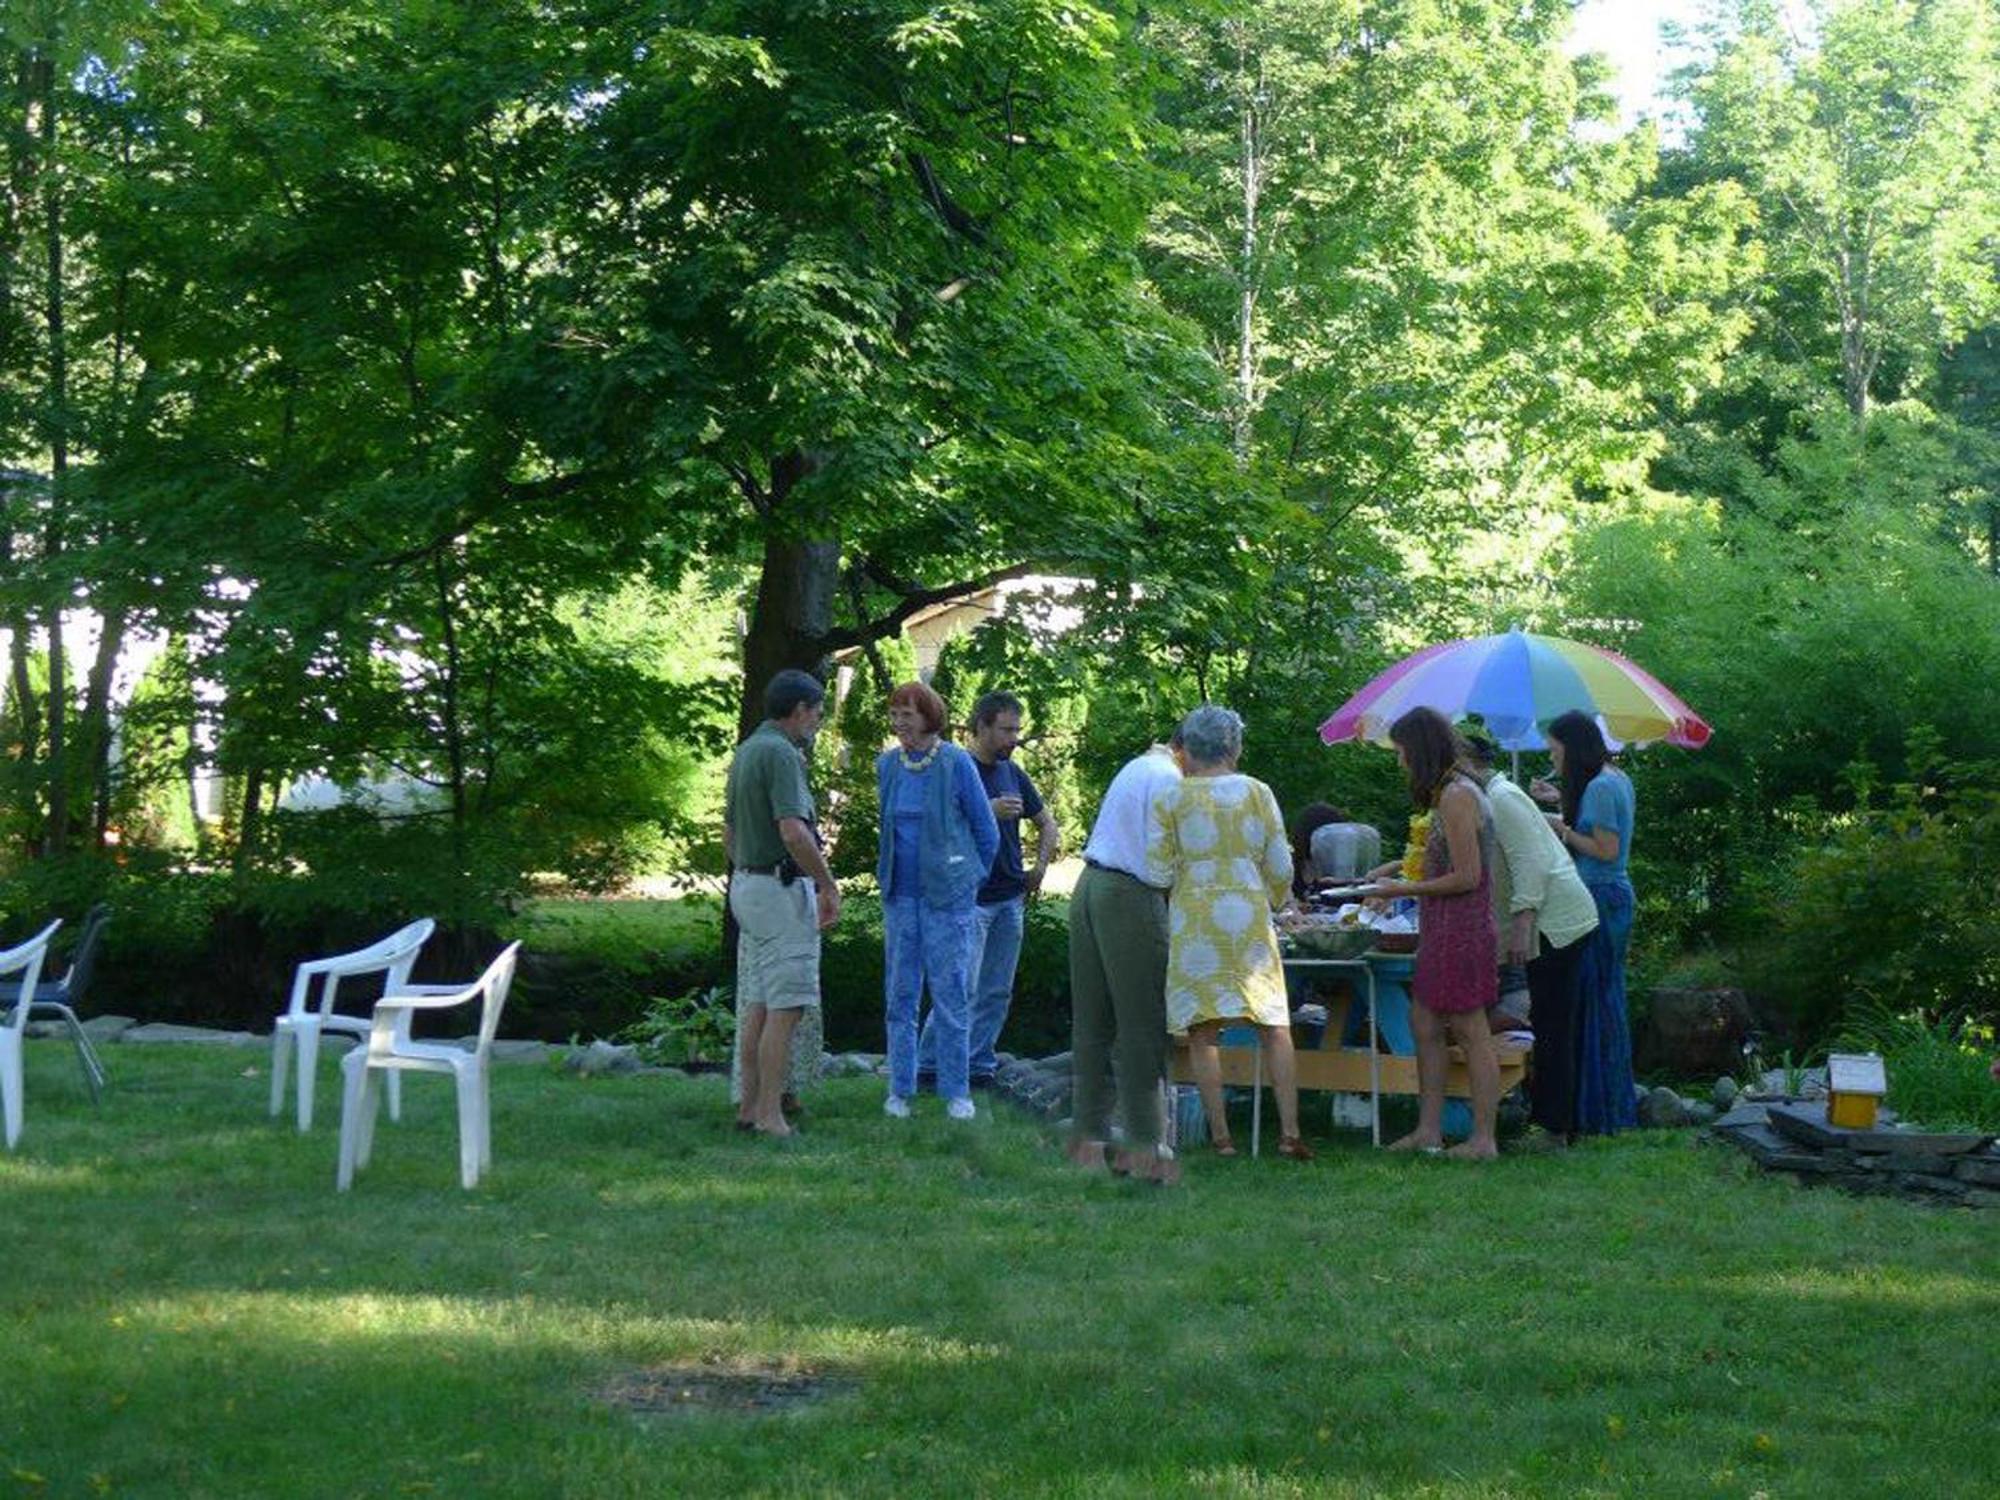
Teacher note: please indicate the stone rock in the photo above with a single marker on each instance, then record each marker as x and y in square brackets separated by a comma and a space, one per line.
[160, 1031]
[601, 1059]
[1059, 1063]
[1693, 1031]
[1981, 1198]
[1777, 1083]
[1725, 1092]
[1981, 1171]
[512, 1050]
[103, 1029]
[1923, 1184]
[1744, 1114]
[1698, 1112]
[1808, 1123]
[1660, 1109]
[1774, 1151]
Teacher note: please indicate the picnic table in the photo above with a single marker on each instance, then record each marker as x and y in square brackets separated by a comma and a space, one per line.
[1384, 980]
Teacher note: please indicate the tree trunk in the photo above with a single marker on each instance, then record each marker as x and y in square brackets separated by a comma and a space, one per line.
[791, 619]
[57, 393]
[250, 824]
[454, 728]
[1246, 321]
[97, 721]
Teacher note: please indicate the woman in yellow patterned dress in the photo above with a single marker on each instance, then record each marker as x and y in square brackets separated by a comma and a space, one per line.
[1219, 844]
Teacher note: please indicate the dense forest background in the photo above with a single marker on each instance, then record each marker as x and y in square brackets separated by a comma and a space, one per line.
[486, 398]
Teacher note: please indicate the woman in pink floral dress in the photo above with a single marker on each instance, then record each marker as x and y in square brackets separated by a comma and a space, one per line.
[1458, 944]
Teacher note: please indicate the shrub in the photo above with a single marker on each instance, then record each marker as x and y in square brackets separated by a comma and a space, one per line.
[1938, 1066]
[1896, 907]
[695, 1027]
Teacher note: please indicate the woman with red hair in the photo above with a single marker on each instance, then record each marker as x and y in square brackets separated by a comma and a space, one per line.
[938, 839]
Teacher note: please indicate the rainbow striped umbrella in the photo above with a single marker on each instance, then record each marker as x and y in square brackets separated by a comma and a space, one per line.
[1517, 683]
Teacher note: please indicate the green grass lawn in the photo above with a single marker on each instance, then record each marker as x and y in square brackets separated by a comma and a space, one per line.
[188, 1309]
[625, 932]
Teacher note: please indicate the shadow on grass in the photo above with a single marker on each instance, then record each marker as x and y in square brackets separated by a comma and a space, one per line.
[193, 1310]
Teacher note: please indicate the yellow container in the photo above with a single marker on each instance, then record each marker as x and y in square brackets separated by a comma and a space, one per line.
[1851, 1111]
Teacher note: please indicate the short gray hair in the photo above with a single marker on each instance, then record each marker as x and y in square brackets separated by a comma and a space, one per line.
[1211, 735]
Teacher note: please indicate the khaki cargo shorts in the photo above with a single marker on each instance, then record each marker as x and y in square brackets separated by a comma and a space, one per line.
[777, 944]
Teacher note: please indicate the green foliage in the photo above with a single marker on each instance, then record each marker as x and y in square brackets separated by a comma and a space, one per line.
[1896, 908]
[1939, 1064]
[697, 1027]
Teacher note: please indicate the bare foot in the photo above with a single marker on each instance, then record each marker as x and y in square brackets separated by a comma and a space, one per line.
[780, 1131]
[1146, 1166]
[1086, 1154]
[1414, 1141]
[1473, 1151]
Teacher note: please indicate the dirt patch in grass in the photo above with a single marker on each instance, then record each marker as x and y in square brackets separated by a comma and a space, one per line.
[748, 1391]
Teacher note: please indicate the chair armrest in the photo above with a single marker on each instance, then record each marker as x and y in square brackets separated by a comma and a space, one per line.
[427, 997]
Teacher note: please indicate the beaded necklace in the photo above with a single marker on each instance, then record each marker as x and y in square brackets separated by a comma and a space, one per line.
[919, 762]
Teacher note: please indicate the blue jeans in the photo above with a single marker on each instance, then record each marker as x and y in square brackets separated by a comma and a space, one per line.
[995, 955]
[927, 945]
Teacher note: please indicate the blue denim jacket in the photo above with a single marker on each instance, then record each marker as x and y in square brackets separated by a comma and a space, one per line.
[960, 836]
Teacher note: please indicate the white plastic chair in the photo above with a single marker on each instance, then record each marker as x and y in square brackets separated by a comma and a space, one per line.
[303, 1023]
[26, 960]
[390, 1049]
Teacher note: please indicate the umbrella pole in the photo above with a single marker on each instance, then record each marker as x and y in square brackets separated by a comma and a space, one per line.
[1516, 777]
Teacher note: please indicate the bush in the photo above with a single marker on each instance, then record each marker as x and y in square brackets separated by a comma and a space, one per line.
[1938, 1066]
[1895, 910]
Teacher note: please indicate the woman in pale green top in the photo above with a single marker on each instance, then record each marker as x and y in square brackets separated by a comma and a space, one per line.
[1544, 913]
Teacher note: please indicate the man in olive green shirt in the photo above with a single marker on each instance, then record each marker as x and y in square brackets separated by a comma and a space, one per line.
[780, 890]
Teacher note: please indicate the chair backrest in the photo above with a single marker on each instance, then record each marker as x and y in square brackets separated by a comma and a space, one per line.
[26, 960]
[399, 945]
[494, 984]
[392, 957]
[83, 962]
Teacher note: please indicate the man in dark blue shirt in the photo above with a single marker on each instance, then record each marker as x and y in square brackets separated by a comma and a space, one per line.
[1001, 914]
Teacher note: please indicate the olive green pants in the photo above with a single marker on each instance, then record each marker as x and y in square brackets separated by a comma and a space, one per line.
[1117, 988]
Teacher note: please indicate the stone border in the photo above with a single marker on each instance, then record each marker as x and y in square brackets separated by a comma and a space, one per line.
[1792, 1135]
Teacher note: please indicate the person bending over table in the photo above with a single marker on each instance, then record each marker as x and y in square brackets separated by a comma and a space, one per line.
[1219, 846]
[1458, 947]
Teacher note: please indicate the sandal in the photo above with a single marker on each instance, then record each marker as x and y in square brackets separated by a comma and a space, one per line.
[1223, 1146]
[1294, 1149]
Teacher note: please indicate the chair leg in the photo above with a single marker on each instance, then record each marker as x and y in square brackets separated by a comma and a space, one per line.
[469, 1150]
[371, 1107]
[395, 1095]
[350, 1127]
[281, 1054]
[86, 1055]
[12, 1081]
[306, 1036]
[485, 1123]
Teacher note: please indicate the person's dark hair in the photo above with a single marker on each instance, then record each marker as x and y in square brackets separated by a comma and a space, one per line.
[790, 688]
[991, 706]
[1584, 756]
[1312, 817]
[924, 699]
[1432, 748]
[1480, 748]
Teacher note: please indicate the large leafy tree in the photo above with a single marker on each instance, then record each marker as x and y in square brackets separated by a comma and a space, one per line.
[870, 271]
[1871, 141]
